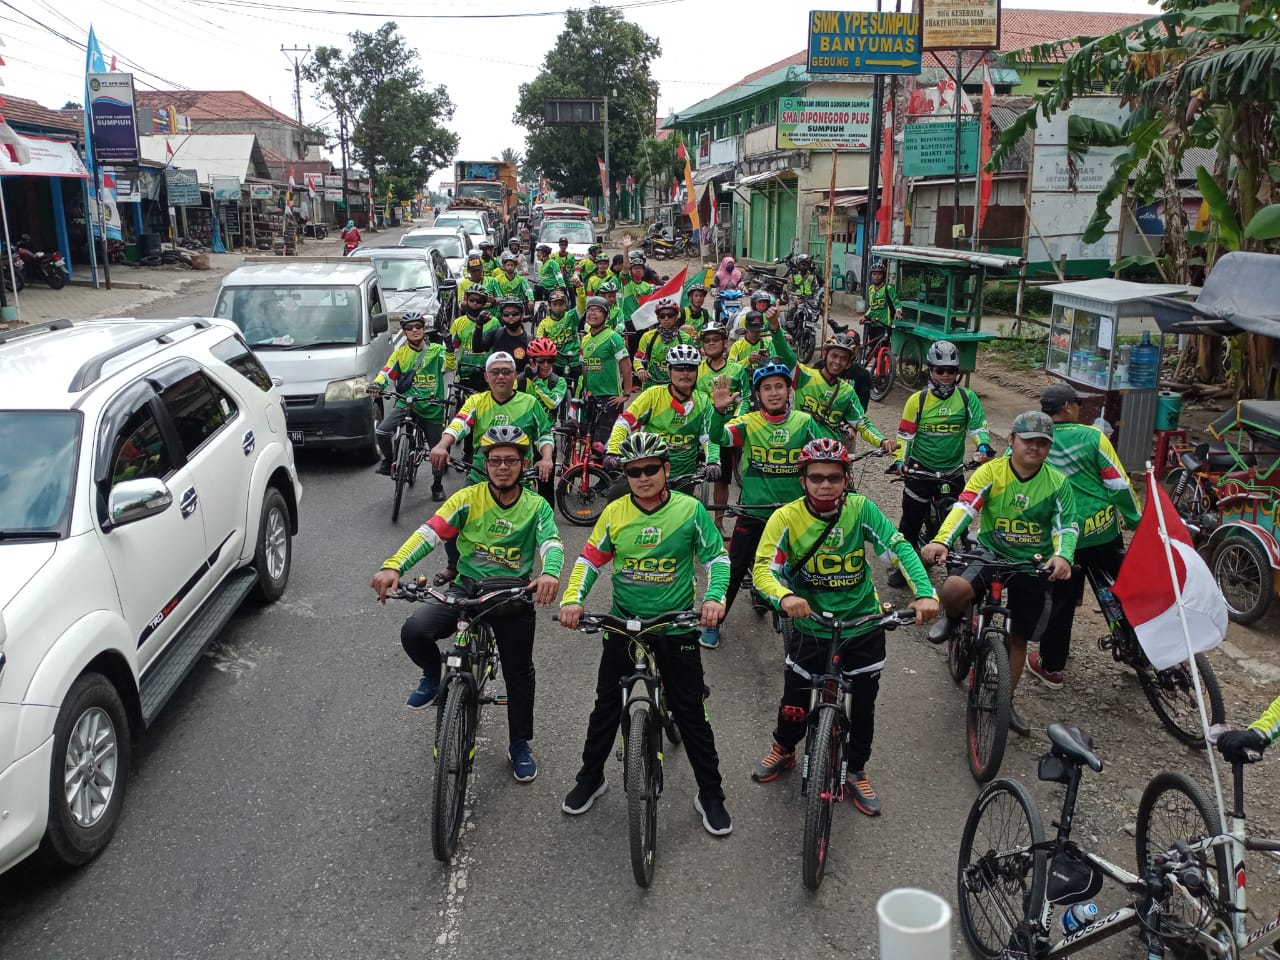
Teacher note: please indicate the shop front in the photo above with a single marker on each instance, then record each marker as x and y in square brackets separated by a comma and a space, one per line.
[45, 197]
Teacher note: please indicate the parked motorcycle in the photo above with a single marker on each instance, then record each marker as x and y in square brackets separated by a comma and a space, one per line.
[728, 306]
[660, 248]
[11, 267]
[802, 322]
[49, 268]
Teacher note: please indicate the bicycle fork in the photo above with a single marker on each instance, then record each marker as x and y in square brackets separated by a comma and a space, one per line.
[630, 699]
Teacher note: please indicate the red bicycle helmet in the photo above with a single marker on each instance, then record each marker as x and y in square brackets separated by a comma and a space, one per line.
[823, 450]
[542, 348]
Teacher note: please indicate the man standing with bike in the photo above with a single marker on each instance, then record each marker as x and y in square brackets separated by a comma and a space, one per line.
[651, 539]
[651, 352]
[563, 327]
[715, 364]
[1103, 497]
[473, 318]
[415, 370]
[1025, 509]
[931, 438]
[882, 303]
[812, 559]
[772, 439]
[498, 528]
[606, 371]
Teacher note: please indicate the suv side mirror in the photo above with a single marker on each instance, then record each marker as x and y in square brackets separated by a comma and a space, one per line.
[449, 284]
[134, 500]
[378, 323]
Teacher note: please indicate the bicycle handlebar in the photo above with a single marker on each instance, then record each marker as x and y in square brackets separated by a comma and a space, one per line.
[889, 619]
[959, 560]
[417, 591]
[635, 627]
[919, 473]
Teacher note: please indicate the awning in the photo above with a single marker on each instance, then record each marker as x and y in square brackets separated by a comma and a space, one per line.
[762, 177]
[49, 158]
[1241, 295]
[845, 199]
[712, 171]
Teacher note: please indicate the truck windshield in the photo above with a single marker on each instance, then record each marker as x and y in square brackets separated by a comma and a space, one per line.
[488, 191]
[35, 488]
[276, 318]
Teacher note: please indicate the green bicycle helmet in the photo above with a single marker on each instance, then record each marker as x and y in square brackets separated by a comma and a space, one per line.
[641, 446]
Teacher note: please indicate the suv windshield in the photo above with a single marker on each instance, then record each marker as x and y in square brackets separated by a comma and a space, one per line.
[35, 488]
[292, 317]
[449, 246]
[404, 273]
[473, 225]
[578, 231]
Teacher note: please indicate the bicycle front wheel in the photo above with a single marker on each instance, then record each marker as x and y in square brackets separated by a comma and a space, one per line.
[1172, 696]
[882, 374]
[453, 754]
[987, 714]
[822, 786]
[960, 650]
[1175, 808]
[403, 455]
[582, 498]
[641, 756]
[1002, 874]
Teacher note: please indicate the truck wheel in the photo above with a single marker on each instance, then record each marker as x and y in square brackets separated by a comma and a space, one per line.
[88, 774]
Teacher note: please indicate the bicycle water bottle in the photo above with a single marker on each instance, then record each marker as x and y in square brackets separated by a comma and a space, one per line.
[1110, 605]
[1077, 916]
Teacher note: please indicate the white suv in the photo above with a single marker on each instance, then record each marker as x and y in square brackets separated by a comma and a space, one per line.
[147, 487]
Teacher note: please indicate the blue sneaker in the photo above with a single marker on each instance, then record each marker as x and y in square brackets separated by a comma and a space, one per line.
[425, 695]
[710, 637]
[523, 767]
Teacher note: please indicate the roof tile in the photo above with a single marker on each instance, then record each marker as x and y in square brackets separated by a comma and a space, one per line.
[21, 111]
[213, 105]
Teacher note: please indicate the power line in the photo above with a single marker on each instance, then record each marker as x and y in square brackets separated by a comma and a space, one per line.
[384, 15]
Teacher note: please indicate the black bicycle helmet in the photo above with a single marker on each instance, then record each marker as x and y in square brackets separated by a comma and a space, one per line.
[511, 302]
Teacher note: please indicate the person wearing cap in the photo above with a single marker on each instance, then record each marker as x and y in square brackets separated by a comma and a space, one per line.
[563, 326]
[549, 276]
[650, 357]
[1025, 508]
[752, 349]
[491, 262]
[1104, 498]
[618, 269]
[761, 301]
[477, 276]
[606, 371]
[565, 260]
[510, 281]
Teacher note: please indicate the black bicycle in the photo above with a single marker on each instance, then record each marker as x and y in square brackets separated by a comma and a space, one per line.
[469, 666]
[645, 718]
[823, 775]
[410, 447]
[978, 649]
[455, 398]
[944, 496]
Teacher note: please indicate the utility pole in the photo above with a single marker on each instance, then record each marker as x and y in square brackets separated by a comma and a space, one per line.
[342, 142]
[605, 186]
[299, 55]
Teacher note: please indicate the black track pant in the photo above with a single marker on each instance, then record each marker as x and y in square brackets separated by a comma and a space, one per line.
[742, 553]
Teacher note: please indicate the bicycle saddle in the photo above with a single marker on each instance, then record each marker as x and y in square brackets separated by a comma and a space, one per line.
[1074, 744]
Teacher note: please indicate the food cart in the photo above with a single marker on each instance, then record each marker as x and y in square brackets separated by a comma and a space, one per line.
[1103, 340]
[940, 293]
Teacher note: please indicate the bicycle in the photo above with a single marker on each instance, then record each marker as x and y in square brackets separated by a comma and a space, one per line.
[645, 718]
[455, 398]
[410, 447]
[825, 763]
[1171, 692]
[469, 667]
[582, 489]
[944, 497]
[876, 355]
[978, 649]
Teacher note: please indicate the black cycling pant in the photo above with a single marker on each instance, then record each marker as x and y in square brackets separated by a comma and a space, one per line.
[862, 660]
[387, 428]
[434, 621]
[861, 378]
[1055, 644]
[602, 415]
[917, 494]
[742, 553]
[680, 666]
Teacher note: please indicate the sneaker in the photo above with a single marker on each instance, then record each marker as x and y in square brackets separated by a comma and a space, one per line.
[714, 816]
[896, 579]
[425, 695]
[774, 762]
[582, 796]
[383, 468]
[1017, 724]
[942, 629]
[1050, 678]
[523, 767]
[710, 637]
[437, 494]
[864, 798]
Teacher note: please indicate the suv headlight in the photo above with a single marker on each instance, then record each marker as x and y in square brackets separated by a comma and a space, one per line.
[349, 389]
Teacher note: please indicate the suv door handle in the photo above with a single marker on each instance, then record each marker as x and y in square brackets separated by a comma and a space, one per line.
[189, 502]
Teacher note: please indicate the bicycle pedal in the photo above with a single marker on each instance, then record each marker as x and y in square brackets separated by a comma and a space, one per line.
[498, 700]
[618, 755]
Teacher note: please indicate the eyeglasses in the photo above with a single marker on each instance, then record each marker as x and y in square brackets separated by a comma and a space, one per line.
[476, 298]
[503, 461]
[502, 372]
[820, 478]
[413, 326]
[682, 369]
[649, 471]
[945, 371]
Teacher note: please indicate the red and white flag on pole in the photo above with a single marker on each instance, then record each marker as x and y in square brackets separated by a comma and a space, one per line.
[1169, 597]
[984, 146]
[670, 293]
[168, 153]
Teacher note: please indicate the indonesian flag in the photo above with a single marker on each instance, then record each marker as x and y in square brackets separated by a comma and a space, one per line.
[1145, 586]
[669, 294]
[631, 184]
[715, 212]
[168, 153]
[675, 190]
[292, 186]
[311, 185]
[984, 146]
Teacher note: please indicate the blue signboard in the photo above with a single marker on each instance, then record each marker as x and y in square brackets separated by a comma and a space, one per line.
[112, 116]
[858, 41]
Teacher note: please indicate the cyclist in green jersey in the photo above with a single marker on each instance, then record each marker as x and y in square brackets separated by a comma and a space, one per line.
[606, 372]
[540, 380]
[829, 398]
[1025, 508]
[564, 260]
[634, 286]
[753, 348]
[678, 413]
[563, 326]
[592, 282]
[414, 371]
[651, 539]
[812, 557]
[549, 276]
[477, 278]
[498, 529]
[470, 362]
[695, 316]
[509, 283]
[654, 344]
[609, 291]
[587, 267]
[492, 264]
[1103, 497]
[882, 300]
[771, 439]
[714, 342]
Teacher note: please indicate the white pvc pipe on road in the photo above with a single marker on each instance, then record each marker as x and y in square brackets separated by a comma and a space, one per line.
[914, 925]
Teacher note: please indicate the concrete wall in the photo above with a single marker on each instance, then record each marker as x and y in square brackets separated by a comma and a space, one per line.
[272, 135]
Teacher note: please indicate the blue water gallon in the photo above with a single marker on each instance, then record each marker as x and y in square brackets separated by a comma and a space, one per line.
[1144, 364]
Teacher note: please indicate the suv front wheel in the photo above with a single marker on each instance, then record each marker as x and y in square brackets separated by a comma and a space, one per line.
[89, 772]
[273, 554]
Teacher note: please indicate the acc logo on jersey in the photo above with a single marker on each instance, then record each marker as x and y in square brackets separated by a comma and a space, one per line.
[500, 527]
[834, 538]
[780, 436]
[500, 419]
[1021, 501]
[649, 537]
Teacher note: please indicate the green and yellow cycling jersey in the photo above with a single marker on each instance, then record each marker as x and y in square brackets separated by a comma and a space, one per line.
[601, 354]
[685, 426]
[1269, 722]
[1101, 487]
[585, 268]
[736, 377]
[549, 275]
[629, 294]
[564, 332]
[651, 354]
[933, 428]
[565, 264]
[740, 350]
[491, 266]
[692, 321]
[517, 286]
[462, 336]
[550, 390]
[1018, 518]
[482, 411]
[652, 555]
[882, 303]
[771, 449]
[617, 321]
[418, 377]
[493, 540]
[835, 578]
[594, 282]
[832, 405]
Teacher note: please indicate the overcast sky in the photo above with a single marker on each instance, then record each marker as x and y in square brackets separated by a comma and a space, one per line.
[235, 44]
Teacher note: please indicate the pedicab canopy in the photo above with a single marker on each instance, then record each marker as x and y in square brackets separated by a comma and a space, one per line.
[1240, 295]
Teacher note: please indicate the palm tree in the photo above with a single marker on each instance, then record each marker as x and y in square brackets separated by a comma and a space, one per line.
[659, 164]
[511, 155]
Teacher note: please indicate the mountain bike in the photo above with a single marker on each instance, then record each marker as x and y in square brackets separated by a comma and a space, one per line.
[644, 718]
[410, 447]
[943, 499]
[1171, 692]
[582, 490]
[469, 666]
[454, 399]
[825, 763]
[876, 355]
[978, 649]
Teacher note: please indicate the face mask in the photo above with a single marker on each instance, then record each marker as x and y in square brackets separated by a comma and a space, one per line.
[943, 390]
[824, 507]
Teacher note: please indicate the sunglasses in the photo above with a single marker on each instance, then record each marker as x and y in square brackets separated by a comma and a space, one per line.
[512, 313]
[668, 315]
[502, 372]
[819, 478]
[413, 326]
[649, 471]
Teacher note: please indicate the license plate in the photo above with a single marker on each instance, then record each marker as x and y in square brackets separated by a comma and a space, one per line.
[296, 438]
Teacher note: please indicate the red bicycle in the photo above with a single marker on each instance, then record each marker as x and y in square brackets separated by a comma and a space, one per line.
[583, 489]
[876, 355]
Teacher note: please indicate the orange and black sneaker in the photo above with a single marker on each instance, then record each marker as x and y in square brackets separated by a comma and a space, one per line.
[774, 762]
[858, 787]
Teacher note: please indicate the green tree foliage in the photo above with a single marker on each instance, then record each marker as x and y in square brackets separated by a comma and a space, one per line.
[598, 54]
[397, 124]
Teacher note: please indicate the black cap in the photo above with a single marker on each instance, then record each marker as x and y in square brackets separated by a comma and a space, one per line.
[1056, 396]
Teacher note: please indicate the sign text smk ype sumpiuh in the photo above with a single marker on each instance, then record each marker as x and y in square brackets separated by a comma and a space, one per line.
[859, 41]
